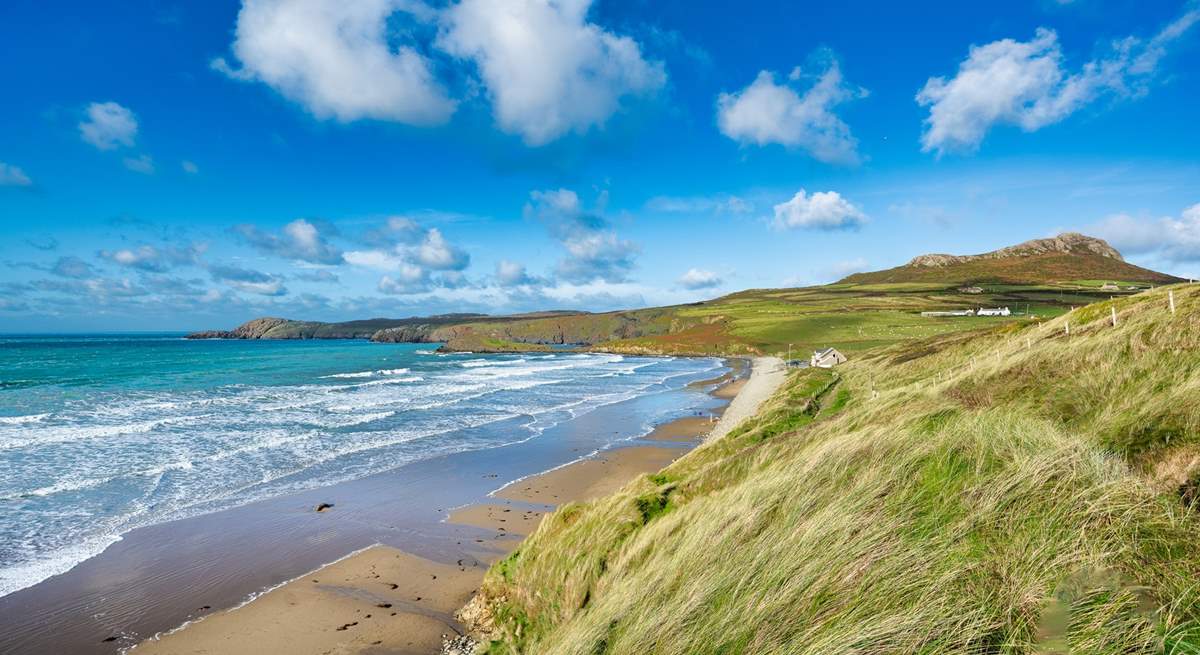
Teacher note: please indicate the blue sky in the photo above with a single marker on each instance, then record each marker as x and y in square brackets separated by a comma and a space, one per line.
[188, 165]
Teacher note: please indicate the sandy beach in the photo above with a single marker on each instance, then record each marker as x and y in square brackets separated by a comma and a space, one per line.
[382, 599]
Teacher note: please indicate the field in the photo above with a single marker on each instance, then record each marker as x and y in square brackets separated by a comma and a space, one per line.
[850, 317]
[1009, 490]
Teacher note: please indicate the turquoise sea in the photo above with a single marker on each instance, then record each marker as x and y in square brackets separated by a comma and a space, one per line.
[103, 434]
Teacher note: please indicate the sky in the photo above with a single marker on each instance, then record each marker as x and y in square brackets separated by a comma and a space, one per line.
[189, 165]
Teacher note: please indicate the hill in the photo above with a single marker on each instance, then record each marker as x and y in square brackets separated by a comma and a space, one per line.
[855, 314]
[1069, 257]
[1011, 490]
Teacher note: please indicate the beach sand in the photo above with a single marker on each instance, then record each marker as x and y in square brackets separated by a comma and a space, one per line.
[339, 608]
[375, 597]
[592, 477]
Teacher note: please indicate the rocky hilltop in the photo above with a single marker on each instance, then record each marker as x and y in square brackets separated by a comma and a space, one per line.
[1066, 258]
[1065, 243]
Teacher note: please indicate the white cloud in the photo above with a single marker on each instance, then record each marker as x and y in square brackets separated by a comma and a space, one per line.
[108, 125]
[301, 240]
[767, 112]
[409, 279]
[594, 251]
[696, 278]
[823, 210]
[13, 176]
[437, 254]
[1174, 239]
[189, 167]
[335, 59]
[513, 274]
[547, 70]
[1025, 84]
[374, 259]
[154, 259]
[141, 164]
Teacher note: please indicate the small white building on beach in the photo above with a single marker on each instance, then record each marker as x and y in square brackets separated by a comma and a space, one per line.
[827, 358]
[995, 311]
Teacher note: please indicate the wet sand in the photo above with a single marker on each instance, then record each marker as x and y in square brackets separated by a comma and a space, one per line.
[330, 616]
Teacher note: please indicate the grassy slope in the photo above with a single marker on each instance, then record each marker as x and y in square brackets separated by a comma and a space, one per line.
[1011, 491]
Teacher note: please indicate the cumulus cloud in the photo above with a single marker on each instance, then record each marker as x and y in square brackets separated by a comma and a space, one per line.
[768, 112]
[154, 259]
[696, 278]
[407, 279]
[436, 253]
[335, 59]
[411, 255]
[547, 70]
[108, 125]
[141, 164]
[512, 274]
[300, 240]
[1176, 239]
[1026, 84]
[13, 176]
[719, 204]
[823, 210]
[594, 251]
[248, 280]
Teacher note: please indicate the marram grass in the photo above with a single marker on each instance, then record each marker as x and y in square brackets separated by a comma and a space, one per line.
[1013, 491]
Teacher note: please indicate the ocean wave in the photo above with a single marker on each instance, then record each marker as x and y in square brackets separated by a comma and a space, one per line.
[367, 374]
[21, 420]
[41, 566]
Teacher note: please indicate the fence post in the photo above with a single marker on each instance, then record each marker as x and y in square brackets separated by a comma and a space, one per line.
[1171, 299]
[1067, 327]
[1114, 316]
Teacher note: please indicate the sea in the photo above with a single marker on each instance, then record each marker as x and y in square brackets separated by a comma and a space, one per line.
[104, 434]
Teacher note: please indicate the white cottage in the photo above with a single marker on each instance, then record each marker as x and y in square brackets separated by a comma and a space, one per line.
[827, 358]
[995, 311]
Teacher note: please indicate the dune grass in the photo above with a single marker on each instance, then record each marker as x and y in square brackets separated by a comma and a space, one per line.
[1014, 490]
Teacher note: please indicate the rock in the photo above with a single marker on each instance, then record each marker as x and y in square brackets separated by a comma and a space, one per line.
[458, 645]
[324, 506]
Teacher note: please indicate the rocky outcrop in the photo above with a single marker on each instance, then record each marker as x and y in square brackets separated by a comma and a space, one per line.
[419, 333]
[253, 329]
[1066, 243]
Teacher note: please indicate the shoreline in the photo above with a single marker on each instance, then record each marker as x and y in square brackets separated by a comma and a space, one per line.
[300, 613]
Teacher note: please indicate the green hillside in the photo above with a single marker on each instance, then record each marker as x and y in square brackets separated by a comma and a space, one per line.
[1010, 490]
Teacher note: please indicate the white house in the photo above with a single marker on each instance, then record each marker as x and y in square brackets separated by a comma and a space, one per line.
[827, 358]
[997, 311]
